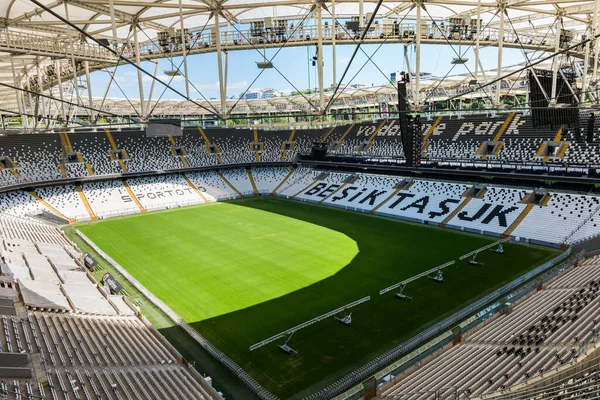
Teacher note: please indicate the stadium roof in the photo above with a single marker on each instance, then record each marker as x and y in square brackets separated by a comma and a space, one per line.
[43, 36]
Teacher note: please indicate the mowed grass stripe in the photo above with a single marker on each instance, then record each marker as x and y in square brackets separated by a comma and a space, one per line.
[307, 240]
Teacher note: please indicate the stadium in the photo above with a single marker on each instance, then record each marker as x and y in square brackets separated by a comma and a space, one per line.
[361, 199]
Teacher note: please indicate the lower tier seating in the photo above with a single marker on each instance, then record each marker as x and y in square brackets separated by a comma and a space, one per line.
[552, 218]
[543, 332]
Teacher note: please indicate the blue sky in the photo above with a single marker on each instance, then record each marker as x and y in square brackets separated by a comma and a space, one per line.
[294, 64]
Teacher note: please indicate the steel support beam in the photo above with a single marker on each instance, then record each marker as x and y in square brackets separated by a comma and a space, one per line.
[319, 11]
[41, 87]
[500, 46]
[361, 14]
[157, 63]
[184, 51]
[222, 88]
[333, 39]
[477, 48]
[555, 62]
[416, 100]
[58, 68]
[20, 105]
[136, 46]
[596, 42]
[88, 83]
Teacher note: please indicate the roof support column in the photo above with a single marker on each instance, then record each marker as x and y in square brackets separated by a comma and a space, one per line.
[148, 104]
[136, 49]
[222, 88]
[58, 67]
[20, 105]
[477, 39]
[361, 14]
[416, 100]
[225, 77]
[73, 64]
[319, 11]
[595, 22]
[184, 51]
[333, 39]
[41, 89]
[112, 20]
[502, 7]
[586, 65]
[88, 83]
[555, 62]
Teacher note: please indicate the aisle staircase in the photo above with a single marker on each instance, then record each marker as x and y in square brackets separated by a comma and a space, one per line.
[518, 221]
[251, 178]
[49, 207]
[208, 144]
[229, 184]
[194, 188]
[283, 181]
[133, 196]
[86, 204]
[455, 212]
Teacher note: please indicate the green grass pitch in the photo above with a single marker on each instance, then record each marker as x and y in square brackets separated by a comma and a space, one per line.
[244, 270]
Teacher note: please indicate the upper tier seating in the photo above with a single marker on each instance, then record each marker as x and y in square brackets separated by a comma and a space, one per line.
[75, 170]
[94, 148]
[386, 142]
[7, 178]
[196, 148]
[542, 332]
[272, 145]
[146, 153]
[522, 140]
[303, 141]
[461, 138]
[234, 145]
[37, 156]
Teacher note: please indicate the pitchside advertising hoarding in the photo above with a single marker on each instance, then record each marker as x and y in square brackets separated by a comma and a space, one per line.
[384, 109]
[113, 285]
[89, 261]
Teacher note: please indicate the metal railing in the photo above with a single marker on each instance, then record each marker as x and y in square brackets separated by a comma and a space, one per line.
[49, 45]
